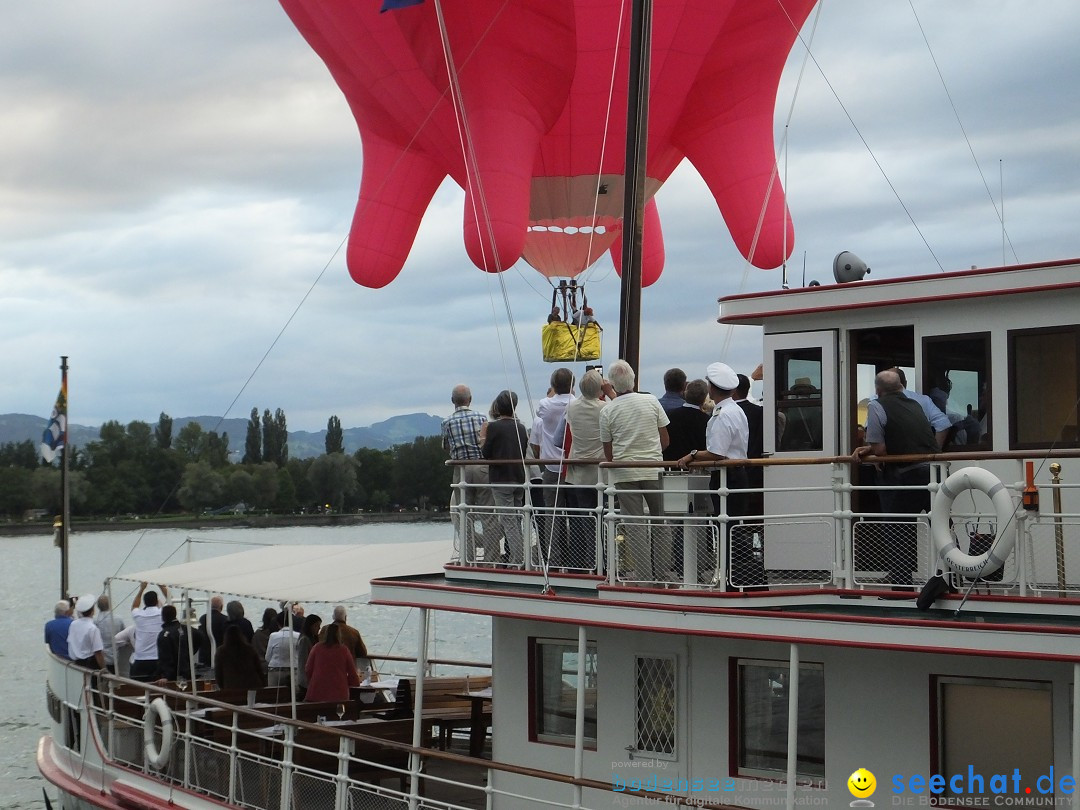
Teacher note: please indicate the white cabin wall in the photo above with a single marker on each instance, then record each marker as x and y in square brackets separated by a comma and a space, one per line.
[615, 714]
[877, 710]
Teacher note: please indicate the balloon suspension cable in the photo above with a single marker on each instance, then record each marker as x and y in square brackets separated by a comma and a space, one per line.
[482, 217]
[479, 210]
[726, 344]
[586, 272]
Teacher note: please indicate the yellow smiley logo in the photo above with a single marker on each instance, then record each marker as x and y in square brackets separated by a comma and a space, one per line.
[862, 784]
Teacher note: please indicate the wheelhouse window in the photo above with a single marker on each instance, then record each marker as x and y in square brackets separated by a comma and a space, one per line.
[553, 666]
[762, 711]
[956, 376]
[655, 705]
[798, 400]
[1044, 382]
[993, 726]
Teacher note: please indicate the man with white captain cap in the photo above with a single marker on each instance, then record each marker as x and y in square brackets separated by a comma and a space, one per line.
[84, 638]
[728, 431]
[726, 437]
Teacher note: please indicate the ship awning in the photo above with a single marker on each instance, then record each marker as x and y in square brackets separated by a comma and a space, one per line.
[294, 573]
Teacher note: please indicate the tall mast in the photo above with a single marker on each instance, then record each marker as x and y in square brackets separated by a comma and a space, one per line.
[65, 500]
[637, 142]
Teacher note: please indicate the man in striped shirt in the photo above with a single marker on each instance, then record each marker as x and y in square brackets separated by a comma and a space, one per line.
[461, 438]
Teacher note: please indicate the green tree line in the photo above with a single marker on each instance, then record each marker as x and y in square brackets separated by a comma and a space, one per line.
[145, 470]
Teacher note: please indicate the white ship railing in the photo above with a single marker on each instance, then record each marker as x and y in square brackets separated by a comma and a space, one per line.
[835, 544]
[252, 758]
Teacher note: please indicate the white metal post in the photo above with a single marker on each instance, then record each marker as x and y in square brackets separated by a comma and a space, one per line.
[418, 710]
[844, 550]
[1076, 730]
[579, 719]
[792, 724]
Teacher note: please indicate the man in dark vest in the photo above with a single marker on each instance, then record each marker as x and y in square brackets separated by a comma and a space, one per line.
[896, 426]
[755, 444]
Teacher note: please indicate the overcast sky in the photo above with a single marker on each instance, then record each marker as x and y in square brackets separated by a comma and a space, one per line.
[176, 175]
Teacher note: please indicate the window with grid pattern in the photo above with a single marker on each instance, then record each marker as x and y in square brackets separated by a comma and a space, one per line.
[656, 715]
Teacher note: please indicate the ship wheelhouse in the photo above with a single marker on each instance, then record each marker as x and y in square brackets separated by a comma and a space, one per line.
[774, 693]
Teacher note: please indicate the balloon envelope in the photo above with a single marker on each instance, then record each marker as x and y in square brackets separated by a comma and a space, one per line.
[525, 109]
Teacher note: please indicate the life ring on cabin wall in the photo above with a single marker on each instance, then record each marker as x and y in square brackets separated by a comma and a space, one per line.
[941, 522]
[157, 711]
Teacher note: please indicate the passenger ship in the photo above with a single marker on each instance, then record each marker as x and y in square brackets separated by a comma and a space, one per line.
[823, 679]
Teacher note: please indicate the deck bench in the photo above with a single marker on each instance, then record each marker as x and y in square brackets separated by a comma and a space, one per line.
[443, 706]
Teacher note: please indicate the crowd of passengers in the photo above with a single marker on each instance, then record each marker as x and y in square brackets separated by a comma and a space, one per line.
[695, 420]
[702, 420]
[322, 660]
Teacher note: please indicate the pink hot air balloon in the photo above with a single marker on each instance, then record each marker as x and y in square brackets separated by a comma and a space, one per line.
[525, 109]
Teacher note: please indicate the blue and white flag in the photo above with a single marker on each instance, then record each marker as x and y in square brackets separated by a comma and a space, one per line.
[55, 435]
[392, 5]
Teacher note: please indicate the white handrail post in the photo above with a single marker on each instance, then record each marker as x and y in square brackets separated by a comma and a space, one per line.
[792, 725]
[1076, 730]
[844, 533]
[232, 756]
[725, 529]
[579, 719]
[598, 517]
[287, 767]
[607, 501]
[418, 710]
[457, 498]
[341, 788]
[527, 526]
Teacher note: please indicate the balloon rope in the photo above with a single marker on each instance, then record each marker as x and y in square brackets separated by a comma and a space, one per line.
[482, 216]
[478, 198]
[603, 140]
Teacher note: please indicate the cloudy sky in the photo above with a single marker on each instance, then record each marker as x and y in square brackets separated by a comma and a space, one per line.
[176, 179]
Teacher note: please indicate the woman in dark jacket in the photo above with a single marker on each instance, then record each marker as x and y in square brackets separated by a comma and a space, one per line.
[505, 439]
[237, 665]
[309, 637]
[262, 635]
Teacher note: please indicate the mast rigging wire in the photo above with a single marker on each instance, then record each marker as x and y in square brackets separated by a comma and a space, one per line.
[866, 144]
[1000, 214]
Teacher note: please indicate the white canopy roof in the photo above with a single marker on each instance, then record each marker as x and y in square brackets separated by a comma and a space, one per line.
[309, 573]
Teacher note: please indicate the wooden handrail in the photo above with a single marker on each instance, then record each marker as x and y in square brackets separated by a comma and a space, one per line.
[974, 455]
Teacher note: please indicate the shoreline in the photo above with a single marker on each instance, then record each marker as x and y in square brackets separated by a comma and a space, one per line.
[224, 521]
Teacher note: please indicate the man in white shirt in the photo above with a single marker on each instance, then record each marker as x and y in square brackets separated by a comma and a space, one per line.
[727, 437]
[147, 620]
[280, 651]
[634, 428]
[84, 638]
[545, 441]
[583, 420]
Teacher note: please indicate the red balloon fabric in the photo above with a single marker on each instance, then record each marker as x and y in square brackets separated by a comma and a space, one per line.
[525, 109]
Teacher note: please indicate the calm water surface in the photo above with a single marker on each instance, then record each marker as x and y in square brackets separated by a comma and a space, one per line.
[31, 580]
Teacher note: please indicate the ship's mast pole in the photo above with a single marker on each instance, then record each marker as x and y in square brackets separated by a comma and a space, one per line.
[65, 500]
[637, 128]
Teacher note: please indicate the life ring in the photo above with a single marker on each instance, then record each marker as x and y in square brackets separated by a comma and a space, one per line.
[941, 522]
[157, 711]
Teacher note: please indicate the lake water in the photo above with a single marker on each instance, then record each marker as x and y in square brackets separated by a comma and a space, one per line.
[31, 580]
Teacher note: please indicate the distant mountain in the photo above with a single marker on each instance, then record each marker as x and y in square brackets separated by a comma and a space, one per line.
[17, 427]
